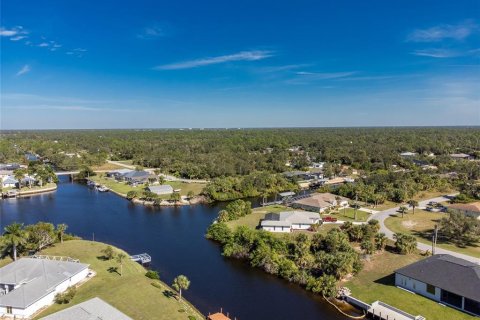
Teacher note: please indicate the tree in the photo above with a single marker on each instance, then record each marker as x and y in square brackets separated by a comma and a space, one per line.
[325, 285]
[402, 210]
[413, 204]
[85, 172]
[380, 241]
[132, 194]
[405, 243]
[15, 236]
[120, 258]
[40, 235]
[175, 197]
[108, 252]
[368, 246]
[460, 229]
[61, 228]
[180, 283]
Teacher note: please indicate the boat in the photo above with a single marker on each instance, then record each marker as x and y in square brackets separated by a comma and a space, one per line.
[102, 188]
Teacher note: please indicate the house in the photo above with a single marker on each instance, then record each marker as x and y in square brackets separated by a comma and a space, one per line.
[161, 190]
[9, 166]
[319, 202]
[137, 177]
[288, 221]
[93, 309]
[317, 165]
[31, 157]
[9, 182]
[118, 173]
[28, 181]
[408, 154]
[461, 156]
[468, 209]
[29, 284]
[444, 278]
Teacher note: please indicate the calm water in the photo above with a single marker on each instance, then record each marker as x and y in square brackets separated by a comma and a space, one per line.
[174, 237]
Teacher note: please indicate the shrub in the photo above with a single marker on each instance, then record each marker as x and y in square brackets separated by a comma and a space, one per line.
[152, 275]
[66, 297]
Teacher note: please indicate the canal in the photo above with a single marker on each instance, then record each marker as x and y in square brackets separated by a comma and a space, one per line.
[174, 237]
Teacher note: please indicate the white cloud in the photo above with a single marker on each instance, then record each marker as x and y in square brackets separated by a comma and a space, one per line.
[43, 44]
[442, 32]
[438, 53]
[151, 32]
[240, 56]
[17, 38]
[25, 69]
[15, 33]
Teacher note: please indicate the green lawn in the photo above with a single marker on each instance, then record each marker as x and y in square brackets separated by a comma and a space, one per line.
[424, 195]
[348, 214]
[253, 220]
[421, 225]
[123, 188]
[377, 282]
[132, 293]
[45, 186]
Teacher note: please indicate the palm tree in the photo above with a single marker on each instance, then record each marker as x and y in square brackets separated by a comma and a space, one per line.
[413, 204]
[402, 210]
[61, 228]
[181, 283]
[15, 236]
[120, 258]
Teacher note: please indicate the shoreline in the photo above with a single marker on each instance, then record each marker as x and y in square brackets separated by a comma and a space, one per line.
[26, 193]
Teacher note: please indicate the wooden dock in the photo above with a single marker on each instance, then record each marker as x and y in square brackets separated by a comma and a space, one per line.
[143, 258]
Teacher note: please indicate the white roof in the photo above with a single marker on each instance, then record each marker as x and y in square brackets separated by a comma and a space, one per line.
[162, 189]
[287, 218]
[35, 278]
[93, 309]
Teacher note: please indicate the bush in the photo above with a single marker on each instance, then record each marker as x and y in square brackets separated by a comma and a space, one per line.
[66, 297]
[152, 275]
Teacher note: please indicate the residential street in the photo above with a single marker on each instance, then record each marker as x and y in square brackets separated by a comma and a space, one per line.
[382, 215]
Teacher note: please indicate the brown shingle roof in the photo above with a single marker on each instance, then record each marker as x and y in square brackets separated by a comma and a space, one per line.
[474, 207]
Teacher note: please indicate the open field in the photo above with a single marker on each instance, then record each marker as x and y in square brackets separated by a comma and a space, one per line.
[424, 195]
[107, 166]
[132, 293]
[377, 282]
[124, 188]
[252, 220]
[421, 225]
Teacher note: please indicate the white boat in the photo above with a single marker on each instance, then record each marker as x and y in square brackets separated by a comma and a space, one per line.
[102, 188]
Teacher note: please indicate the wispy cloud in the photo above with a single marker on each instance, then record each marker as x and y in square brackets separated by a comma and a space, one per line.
[77, 52]
[240, 56]
[437, 53]
[441, 32]
[17, 38]
[305, 77]
[25, 69]
[43, 44]
[12, 32]
[288, 67]
[151, 32]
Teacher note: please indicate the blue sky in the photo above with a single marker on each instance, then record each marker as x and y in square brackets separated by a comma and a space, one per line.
[155, 64]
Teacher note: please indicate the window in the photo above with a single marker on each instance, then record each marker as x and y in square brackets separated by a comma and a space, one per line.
[430, 289]
[451, 298]
[472, 306]
[9, 310]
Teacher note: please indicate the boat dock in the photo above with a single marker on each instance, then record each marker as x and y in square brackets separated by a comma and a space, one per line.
[143, 258]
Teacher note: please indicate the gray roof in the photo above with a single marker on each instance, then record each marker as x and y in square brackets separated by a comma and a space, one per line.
[137, 175]
[287, 218]
[120, 171]
[447, 272]
[162, 189]
[93, 309]
[36, 278]
[10, 180]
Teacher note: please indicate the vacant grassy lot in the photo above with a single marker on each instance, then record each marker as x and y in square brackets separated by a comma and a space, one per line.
[107, 166]
[123, 188]
[421, 225]
[424, 195]
[377, 282]
[253, 220]
[132, 293]
[348, 214]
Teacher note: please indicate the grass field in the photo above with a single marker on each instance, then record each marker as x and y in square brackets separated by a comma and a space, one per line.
[377, 282]
[421, 225]
[424, 195]
[348, 214]
[107, 166]
[132, 293]
[124, 188]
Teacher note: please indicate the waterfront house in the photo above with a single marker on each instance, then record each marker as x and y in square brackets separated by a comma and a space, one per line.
[118, 173]
[137, 177]
[319, 202]
[28, 181]
[31, 157]
[160, 190]
[468, 209]
[288, 221]
[9, 182]
[30, 284]
[444, 278]
[93, 309]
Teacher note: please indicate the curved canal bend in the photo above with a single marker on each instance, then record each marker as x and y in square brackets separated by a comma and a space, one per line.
[174, 237]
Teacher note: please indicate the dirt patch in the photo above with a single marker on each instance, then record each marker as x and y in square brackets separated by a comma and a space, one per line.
[409, 224]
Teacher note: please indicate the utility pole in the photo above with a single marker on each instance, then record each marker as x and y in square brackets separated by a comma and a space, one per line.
[355, 207]
[434, 239]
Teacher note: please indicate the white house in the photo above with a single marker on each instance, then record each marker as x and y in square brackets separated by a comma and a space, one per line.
[444, 278]
[93, 309]
[288, 221]
[29, 284]
[9, 182]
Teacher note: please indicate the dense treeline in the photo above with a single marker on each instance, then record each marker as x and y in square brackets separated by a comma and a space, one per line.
[217, 153]
[316, 262]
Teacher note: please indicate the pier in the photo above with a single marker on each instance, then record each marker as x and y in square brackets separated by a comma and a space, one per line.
[143, 258]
